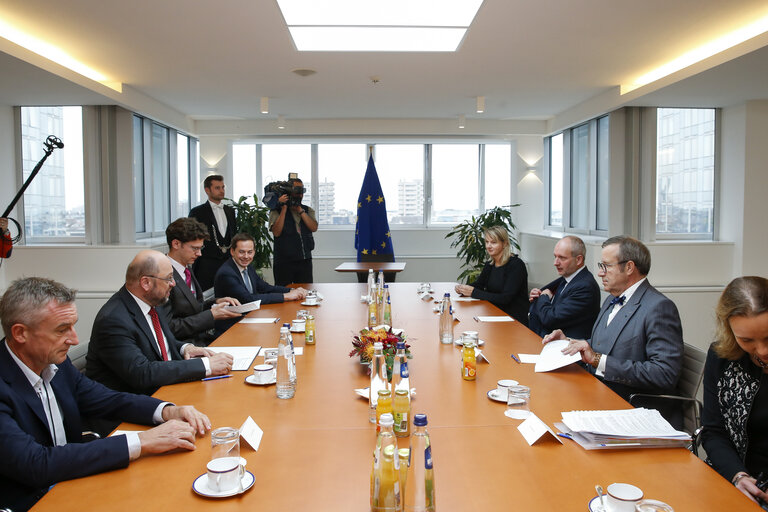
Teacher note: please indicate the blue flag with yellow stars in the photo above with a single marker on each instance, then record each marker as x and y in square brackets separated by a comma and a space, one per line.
[372, 236]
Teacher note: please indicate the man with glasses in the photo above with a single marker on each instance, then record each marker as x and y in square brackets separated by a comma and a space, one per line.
[190, 317]
[132, 349]
[637, 340]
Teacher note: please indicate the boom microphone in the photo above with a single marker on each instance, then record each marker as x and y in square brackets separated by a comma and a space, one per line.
[54, 141]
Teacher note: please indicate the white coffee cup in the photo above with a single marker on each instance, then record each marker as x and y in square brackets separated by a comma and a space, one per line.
[298, 324]
[310, 300]
[225, 474]
[263, 373]
[623, 497]
[502, 387]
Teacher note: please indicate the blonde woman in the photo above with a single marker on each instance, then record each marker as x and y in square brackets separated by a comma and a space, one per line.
[503, 280]
[735, 414]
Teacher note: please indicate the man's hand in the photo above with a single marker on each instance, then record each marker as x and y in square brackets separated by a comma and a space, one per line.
[295, 294]
[229, 301]
[171, 435]
[297, 208]
[464, 290]
[191, 351]
[283, 200]
[557, 334]
[220, 363]
[197, 420]
[3, 225]
[220, 312]
[534, 294]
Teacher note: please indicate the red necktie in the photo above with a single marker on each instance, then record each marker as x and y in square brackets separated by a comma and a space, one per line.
[188, 278]
[158, 333]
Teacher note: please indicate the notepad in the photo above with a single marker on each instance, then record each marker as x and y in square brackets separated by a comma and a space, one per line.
[494, 318]
[259, 320]
[243, 356]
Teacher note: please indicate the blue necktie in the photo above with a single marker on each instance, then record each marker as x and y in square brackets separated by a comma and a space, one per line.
[247, 281]
[618, 300]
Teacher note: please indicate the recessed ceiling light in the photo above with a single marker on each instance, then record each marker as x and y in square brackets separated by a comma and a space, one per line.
[303, 71]
[368, 26]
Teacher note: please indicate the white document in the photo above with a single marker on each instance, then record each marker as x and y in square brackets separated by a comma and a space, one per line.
[259, 320]
[465, 299]
[252, 433]
[528, 358]
[503, 318]
[552, 357]
[243, 356]
[630, 423]
[533, 428]
[244, 308]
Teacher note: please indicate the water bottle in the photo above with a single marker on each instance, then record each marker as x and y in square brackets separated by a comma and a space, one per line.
[419, 488]
[380, 281]
[446, 320]
[292, 366]
[386, 315]
[371, 284]
[400, 374]
[385, 475]
[285, 387]
[373, 313]
[378, 379]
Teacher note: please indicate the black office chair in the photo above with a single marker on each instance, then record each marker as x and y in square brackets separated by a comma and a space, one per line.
[389, 277]
[687, 389]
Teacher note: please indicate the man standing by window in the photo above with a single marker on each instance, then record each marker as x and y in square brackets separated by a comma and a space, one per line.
[219, 219]
[293, 237]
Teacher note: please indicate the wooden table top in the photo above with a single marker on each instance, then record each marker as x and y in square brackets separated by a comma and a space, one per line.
[316, 450]
[363, 266]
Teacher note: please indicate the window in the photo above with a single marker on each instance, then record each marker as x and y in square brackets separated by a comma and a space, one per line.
[161, 184]
[54, 206]
[685, 172]
[579, 171]
[455, 170]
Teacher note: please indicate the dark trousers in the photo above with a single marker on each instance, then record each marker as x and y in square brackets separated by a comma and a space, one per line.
[288, 272]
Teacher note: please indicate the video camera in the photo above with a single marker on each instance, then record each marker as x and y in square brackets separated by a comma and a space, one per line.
[274, 190]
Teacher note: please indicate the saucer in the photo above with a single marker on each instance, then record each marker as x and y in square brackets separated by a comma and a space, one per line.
[460, 342]
[496, 396]
[252, 380]
[200, 486]
[305, 303]
[594, 504]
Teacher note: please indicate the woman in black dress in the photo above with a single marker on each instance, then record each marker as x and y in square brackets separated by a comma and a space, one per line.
[504, 280]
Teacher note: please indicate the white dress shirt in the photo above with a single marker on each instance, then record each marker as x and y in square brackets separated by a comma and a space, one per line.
[220, 216]
[180, 269]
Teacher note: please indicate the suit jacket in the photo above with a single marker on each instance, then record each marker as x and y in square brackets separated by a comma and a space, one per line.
[573, 309]
[123, 355]
[212, 257]
[644, 343]
[31, 464]
[229, 283]
[188, 315]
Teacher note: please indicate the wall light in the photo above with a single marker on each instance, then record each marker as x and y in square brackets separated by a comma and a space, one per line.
[462, 121]
[480, 104]
[531, 170]
[264, 105]
[281, 122]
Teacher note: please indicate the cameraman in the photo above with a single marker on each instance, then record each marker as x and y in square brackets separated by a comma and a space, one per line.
[293, 237]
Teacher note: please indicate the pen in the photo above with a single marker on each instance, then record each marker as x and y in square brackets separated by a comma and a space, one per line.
[217, 377]
[277, 319]
[475, 319]
[567, 436]
[513, 356]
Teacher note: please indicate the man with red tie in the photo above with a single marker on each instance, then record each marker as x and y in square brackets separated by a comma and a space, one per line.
[189, 316]
[132, 349]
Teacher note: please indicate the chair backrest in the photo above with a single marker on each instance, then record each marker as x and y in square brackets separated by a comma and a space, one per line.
[689, 383]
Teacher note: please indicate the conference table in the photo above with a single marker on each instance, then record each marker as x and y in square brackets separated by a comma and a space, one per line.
[316, 451]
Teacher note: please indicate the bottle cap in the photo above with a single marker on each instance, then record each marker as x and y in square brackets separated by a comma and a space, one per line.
[384, 392]
[386, 285]
[447, 294]
[377, 345]
[401, 392]
[287, 325]
[420, 420]
[400, 345]
[386, 420]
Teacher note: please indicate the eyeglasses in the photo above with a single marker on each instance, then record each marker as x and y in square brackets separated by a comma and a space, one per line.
[603, 267]
[168, 280]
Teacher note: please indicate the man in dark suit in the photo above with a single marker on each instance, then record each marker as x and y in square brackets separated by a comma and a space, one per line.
[637, 340]
[189, 316]
[132, 349]
[219, 219]
[572, 301]
[42, 397]
[237, 279]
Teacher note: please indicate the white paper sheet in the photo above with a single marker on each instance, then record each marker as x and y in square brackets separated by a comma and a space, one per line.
[494, 319]
[552, 357]
[465, 299]
[244, 308]
[528, 358]
[638, 422]
[243, 356]
[251, 433]
[259, 320]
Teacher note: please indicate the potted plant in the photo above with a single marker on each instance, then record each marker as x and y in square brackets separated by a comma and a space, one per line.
[468, 237]
[253, 219]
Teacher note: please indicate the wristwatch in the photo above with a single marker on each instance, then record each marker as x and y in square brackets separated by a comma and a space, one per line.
[596, 360]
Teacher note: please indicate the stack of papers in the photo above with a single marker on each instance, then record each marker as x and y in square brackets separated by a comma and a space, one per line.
[626, 428]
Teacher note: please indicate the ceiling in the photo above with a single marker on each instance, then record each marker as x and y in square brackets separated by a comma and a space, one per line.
[531, 59]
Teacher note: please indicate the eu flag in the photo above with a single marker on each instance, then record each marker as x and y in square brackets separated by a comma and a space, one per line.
[372, 237]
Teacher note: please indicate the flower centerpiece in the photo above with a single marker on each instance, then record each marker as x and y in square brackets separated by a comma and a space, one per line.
[362, 346]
